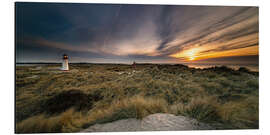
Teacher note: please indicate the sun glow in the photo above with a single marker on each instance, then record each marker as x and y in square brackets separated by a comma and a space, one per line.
[189, 55]
[191, 58]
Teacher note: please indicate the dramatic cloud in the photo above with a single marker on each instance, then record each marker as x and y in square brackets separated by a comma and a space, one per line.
[123, 33]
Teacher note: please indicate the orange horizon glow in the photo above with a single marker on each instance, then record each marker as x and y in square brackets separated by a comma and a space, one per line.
[195, 54]
[234, 47]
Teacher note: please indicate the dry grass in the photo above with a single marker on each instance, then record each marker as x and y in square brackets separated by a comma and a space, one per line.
[70, 121]
[203, 109]
[243, 115]
[134, 107]
[44, 124]
[218, 96]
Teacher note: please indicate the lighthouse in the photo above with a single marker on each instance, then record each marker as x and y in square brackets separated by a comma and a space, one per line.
[65, 63]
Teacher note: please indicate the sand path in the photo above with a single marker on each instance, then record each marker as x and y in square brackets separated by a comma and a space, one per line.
[154, 122]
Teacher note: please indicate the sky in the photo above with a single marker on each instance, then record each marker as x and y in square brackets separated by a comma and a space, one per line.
[123, 33]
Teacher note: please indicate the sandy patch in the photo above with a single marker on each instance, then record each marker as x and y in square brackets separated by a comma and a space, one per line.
[154, 122]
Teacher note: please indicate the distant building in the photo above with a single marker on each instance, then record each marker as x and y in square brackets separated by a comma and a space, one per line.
[134, 64]
[65, 63]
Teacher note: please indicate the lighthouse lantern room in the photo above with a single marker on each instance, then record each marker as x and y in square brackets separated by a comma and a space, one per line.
[65, 63]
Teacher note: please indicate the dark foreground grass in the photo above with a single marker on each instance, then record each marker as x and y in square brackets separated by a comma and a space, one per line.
[48, 100]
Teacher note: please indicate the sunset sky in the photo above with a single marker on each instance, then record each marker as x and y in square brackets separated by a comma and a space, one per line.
[113, 33]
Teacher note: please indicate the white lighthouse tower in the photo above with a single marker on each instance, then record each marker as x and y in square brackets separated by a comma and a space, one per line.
[65, 63]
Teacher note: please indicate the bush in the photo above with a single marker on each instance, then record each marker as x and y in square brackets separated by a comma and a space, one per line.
[213, 87]
[135, 107]
[66, 100]
[253, 83]
[44, 124]
[243, 69]
[241, 115]
[202, 110]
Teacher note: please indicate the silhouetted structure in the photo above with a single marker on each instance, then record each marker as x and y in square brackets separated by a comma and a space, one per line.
[134, 64]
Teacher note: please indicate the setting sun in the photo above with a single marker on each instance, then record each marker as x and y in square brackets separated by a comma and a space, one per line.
[191, 58]
[189, 54]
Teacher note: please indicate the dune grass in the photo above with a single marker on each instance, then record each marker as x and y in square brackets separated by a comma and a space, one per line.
[71, 120]
[48, 100]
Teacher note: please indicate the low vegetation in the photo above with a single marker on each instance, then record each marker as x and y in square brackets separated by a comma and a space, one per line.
[49, 100]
